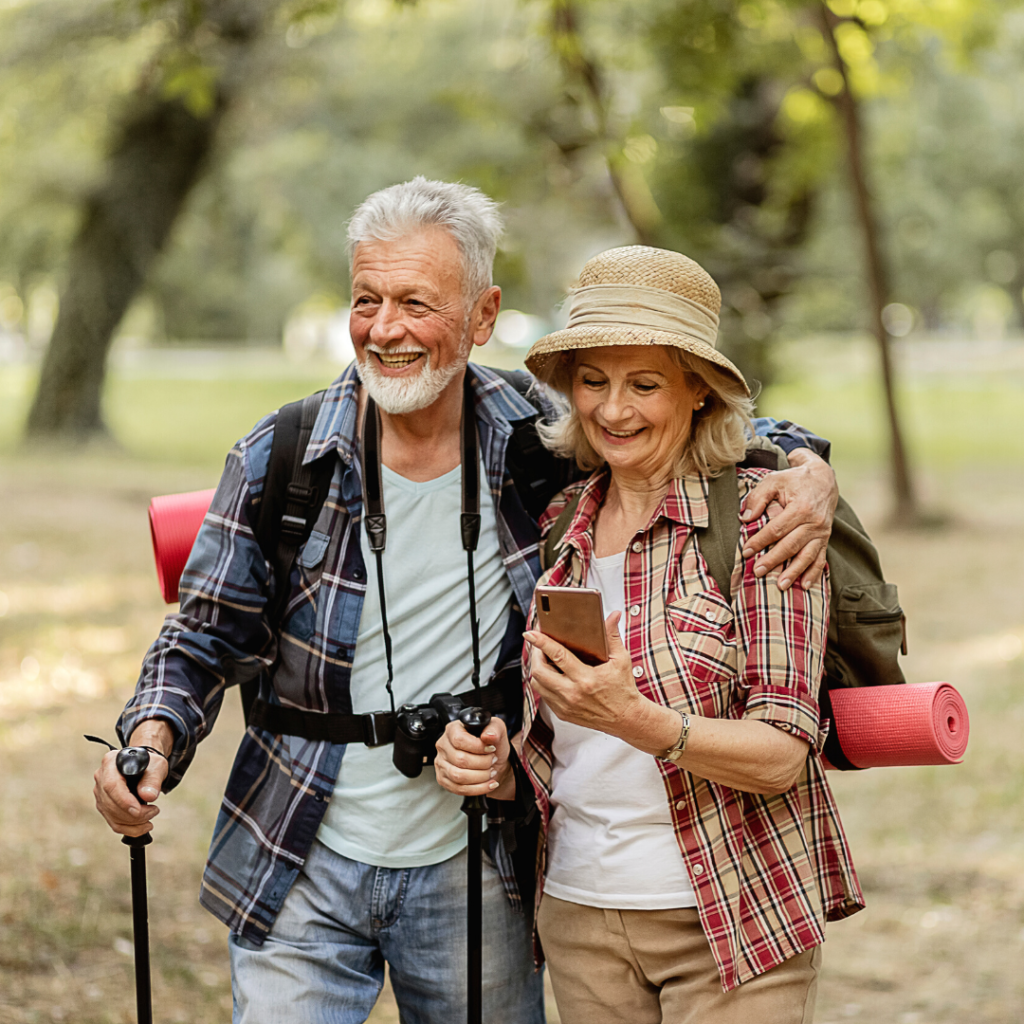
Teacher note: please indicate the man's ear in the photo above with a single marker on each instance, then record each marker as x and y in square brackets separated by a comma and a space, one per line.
[485, 312]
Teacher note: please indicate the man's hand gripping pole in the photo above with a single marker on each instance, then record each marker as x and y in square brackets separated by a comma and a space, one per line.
[132, 763]
[475, 721]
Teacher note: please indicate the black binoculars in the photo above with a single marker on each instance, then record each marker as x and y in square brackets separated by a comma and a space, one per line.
[418, 727]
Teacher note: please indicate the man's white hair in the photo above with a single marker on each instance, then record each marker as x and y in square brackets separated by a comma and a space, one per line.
[469, 216]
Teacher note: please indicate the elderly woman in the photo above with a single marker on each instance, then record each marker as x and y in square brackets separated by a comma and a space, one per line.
[691, 848]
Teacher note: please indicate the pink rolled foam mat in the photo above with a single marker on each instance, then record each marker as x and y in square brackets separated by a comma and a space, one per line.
[909, 724]
[174, 521]
[877, 726]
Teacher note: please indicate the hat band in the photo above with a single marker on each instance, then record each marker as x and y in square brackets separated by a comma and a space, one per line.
[623, 305]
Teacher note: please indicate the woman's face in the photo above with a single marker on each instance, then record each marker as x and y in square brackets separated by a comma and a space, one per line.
[636, 406]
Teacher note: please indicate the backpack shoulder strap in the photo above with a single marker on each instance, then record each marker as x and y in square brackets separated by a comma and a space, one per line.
[718, 541]
[293, 495]
[719, 538]
[537, 474]
[549, 549]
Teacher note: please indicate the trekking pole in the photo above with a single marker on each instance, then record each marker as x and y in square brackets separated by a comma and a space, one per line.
[474, 807]
[132, 763]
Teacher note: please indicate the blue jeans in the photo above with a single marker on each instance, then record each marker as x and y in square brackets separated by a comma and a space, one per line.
[323, 962]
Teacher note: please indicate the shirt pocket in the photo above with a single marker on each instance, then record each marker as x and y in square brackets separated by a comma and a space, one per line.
[313, 550]
[301, 620]
[702, 630]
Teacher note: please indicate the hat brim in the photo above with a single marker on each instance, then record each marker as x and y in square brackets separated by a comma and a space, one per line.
[576, 338]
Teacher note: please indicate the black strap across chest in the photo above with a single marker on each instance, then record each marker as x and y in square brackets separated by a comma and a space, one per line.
[378, 727]
[375, 518]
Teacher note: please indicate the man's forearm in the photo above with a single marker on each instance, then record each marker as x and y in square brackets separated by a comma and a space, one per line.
[156, 733]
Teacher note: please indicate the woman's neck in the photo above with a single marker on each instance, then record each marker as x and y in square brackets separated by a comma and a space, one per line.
[627, 508]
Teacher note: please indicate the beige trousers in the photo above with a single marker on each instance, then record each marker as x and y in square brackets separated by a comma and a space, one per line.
[656, 967]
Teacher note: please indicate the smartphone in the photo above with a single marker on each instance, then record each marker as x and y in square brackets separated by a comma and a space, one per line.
[574, 617]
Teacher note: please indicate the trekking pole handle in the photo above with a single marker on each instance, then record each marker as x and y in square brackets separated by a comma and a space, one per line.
[132, 763]
[475, 720]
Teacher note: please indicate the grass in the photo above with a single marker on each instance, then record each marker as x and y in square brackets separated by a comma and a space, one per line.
[188, 411]
[940, 850]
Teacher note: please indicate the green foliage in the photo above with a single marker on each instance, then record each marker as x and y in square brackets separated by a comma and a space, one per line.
[715, 117]
[187, 78]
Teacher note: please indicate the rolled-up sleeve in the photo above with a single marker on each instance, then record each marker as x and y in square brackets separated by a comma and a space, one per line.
[790, 436]
[781, 642]
[219, 637]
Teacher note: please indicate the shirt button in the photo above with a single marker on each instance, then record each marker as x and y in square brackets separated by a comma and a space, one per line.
[637, 546]
[698, 869]
[637, 671]
[680, 805]
[634, 609]
[710, 616]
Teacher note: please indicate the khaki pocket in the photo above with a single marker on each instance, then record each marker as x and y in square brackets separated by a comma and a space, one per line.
[866, 636]
[703, 632]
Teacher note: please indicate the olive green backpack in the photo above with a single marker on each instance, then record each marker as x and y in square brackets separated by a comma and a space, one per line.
[866, 626]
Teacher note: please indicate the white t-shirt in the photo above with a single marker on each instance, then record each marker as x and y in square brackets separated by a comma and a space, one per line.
[377, 815]
[611, 841]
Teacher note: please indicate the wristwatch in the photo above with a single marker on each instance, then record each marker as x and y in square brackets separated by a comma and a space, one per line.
[675, 752]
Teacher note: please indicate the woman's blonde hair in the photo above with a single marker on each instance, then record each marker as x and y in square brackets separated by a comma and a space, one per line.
[718, 431]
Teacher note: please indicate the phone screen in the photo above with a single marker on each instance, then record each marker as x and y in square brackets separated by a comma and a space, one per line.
[574, 617]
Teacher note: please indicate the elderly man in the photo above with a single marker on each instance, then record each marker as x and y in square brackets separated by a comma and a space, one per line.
[326, 862]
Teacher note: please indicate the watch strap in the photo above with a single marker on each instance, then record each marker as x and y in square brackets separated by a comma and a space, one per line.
[674, 752]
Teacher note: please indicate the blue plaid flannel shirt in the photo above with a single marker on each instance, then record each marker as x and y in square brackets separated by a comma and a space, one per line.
[279, 786]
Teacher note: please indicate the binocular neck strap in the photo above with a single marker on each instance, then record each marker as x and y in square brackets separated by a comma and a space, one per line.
[470, 520]
[375, 519]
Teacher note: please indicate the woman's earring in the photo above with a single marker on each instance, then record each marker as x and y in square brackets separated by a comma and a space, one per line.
[700, 404]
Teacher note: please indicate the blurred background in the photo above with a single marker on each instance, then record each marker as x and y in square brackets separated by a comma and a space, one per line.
[175, 181]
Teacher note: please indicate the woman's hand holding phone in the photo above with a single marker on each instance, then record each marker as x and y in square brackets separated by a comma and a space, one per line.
[602, 697]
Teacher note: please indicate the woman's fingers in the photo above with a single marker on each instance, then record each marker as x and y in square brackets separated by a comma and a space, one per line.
[560, 657]
[475, 781]
[469, 765]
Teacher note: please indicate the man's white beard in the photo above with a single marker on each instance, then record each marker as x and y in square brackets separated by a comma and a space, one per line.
[400, 395]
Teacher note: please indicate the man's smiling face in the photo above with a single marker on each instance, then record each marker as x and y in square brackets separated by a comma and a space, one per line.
[408, 322]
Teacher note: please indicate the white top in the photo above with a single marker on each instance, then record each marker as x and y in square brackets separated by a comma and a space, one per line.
[611, 842]
[377, 815]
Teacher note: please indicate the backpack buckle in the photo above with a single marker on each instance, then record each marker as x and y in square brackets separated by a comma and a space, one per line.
[378, 728]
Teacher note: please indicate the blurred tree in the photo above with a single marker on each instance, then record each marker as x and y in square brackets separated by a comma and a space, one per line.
[161, 145]
[735, 179]
[704, 125]
[580, 68]
[906, 511]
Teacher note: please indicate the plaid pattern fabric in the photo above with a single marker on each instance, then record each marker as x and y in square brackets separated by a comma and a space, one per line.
[767, 871]
[279, 786]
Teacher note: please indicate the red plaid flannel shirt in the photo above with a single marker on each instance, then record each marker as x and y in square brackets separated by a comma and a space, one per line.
[768, 872]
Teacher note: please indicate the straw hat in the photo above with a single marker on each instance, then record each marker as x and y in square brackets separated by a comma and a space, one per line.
[636, 295]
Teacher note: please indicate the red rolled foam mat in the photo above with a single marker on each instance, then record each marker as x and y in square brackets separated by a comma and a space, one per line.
[888, 726]
[174, 521]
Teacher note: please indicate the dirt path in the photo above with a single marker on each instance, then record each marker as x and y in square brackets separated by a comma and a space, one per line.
[940, 851]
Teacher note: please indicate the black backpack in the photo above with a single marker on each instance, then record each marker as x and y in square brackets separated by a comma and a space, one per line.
[293, 494]
[866, 625]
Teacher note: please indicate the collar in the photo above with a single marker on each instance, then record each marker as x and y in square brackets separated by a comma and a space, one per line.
[498, 405]
[685, 503]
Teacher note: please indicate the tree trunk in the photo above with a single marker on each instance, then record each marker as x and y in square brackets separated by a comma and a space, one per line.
[906, 511]
[161, 152]
[634, 197]
[151, 171]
